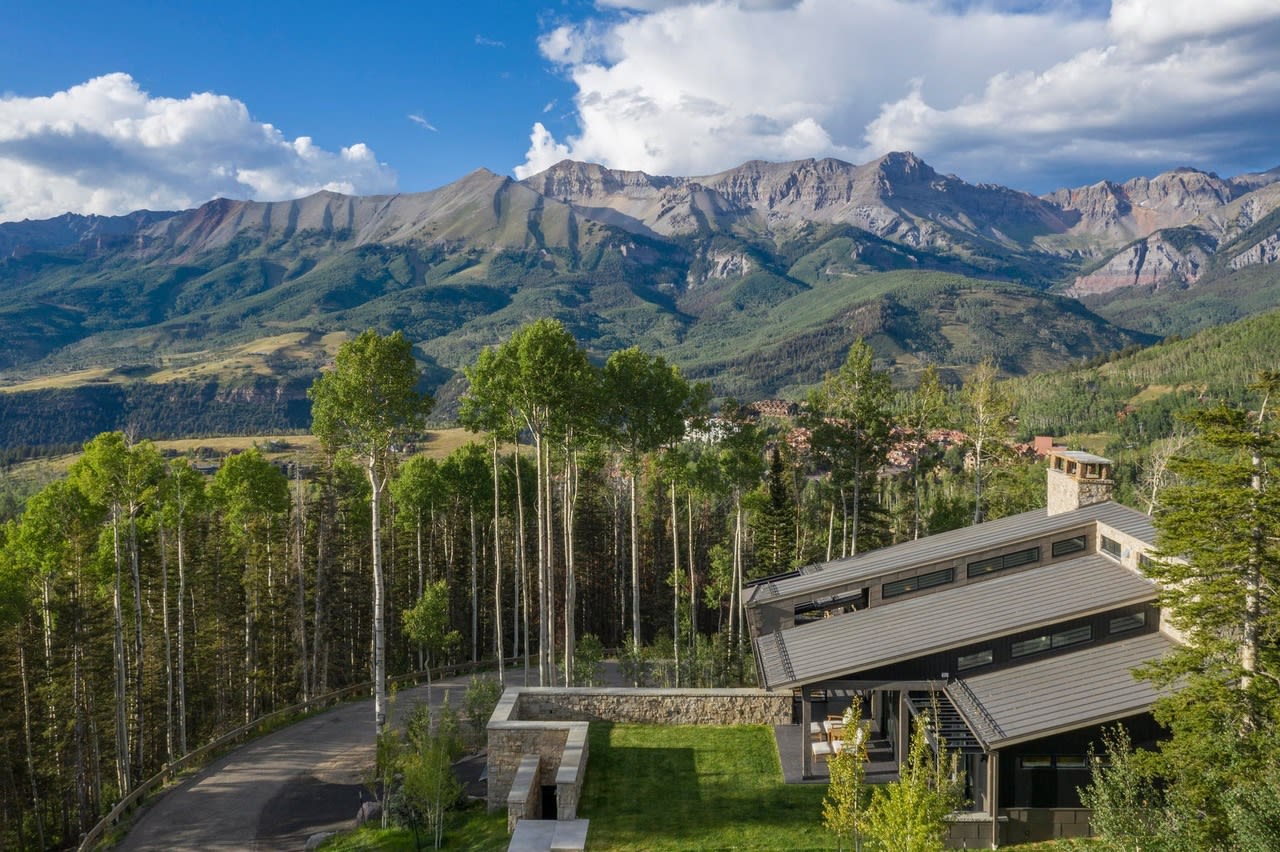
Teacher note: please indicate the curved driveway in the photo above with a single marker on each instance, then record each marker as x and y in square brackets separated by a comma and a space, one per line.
[278, 790]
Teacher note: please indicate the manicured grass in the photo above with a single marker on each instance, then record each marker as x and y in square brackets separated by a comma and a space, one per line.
[652, 787]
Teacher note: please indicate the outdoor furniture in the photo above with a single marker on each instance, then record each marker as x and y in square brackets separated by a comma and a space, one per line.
[825, 748]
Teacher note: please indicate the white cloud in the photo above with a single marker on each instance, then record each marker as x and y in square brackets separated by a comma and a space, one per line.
[423, 123]
[1017, 92]
[108, 147]
[485, 41]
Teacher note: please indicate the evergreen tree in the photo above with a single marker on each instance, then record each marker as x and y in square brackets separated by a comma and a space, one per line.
[1218, 533]
[850, 423]
[773, 520]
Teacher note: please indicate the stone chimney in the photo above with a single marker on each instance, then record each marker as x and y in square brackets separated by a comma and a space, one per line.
[1077, 479]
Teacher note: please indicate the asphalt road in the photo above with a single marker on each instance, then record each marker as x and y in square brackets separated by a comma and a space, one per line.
[276, 791]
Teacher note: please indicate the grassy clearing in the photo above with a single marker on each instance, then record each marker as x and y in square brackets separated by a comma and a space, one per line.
[470, 829]
[71, 379]
[696, 787]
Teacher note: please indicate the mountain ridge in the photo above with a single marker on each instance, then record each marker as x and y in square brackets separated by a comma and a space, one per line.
[756, 277]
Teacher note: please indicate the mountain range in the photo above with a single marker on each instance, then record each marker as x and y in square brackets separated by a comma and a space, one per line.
[755, 279]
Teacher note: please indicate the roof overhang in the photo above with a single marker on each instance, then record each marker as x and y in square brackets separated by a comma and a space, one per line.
[1058, 694]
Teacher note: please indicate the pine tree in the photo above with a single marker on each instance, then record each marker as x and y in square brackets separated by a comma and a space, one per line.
[1218, 533]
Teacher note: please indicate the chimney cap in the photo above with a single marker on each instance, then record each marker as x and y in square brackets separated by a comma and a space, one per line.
[1081, 457]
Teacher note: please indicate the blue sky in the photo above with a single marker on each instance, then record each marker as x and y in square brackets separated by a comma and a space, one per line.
[106, 108]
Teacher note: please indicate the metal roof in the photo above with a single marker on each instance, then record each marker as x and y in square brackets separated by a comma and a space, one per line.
[1081, 457]
[956, 544]
[1059, 693]
[846, 644]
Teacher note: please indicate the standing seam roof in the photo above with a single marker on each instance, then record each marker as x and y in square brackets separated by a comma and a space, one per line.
[814, 579]
[845, 644]
[1062, 692]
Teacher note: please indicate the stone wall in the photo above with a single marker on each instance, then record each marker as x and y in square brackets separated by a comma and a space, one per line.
[656, 706]
[525, 799]
[551, 722]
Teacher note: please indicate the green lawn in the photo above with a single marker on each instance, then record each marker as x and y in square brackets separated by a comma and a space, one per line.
[470, 829]
[653, 787]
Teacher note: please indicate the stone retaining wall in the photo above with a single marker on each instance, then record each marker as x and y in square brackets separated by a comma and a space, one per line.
[551, 722]
[525, 799]
[656, 706]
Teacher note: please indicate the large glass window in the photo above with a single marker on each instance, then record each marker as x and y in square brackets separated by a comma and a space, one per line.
[1128, 621]
[1007, 560]
[1057, 639]
[1111, 547]
[1030, 646]
[920, 581]
[972, 661]
[1068, 545]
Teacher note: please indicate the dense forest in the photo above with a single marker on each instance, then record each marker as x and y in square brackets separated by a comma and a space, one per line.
[149, 606]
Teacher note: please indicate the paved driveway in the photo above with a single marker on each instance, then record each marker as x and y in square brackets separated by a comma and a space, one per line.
[275, 792]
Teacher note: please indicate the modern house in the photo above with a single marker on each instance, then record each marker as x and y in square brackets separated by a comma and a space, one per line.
[1023, 632]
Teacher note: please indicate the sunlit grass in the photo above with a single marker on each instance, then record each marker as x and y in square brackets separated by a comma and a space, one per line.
[685, 787]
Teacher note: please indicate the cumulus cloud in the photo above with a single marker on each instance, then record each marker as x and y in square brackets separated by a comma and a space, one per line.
[1026, 93]
[108, 147]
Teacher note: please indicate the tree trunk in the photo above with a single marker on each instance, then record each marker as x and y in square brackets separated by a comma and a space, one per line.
[570, 566]
[675, 580]
[977, 481]
[693, 581]
[499, 651]
[635, 569]
[168, 651]
[379, 640]
[541, 507]
[475, 587]
[522, 565]
[319, 663]
[37, 809]
[550, 597]
[138, 663]
[182, 635]
[300, 520]
[831, 529]
[124, 774]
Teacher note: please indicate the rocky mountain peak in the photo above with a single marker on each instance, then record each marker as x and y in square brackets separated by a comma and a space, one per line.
[577, 182]
[904, 166]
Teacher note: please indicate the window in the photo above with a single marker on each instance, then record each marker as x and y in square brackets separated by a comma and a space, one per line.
[1111, 547]
[1128, 621]
[915, 584]
[1068, 545]
[1037, 761]
[1059, 639]
[1007, 560]
[1144, 561]
[1071, 761]
[972, 661]
[1030, 646]
[1074, 636]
